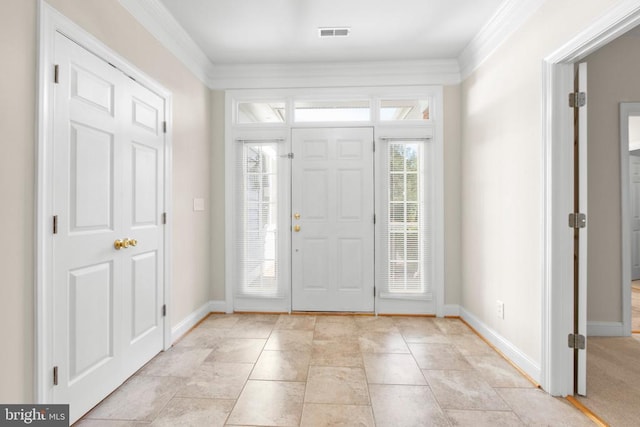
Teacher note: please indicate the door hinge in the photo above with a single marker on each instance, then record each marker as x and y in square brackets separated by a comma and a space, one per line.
[577, 99]
[164, 310]
[374, 146]
[577, 220]
[374, 291]
[164, 218]
[55, 224]
[164, 127]
[577, 341]
[374, 219]
[56, 73]
[55, 375]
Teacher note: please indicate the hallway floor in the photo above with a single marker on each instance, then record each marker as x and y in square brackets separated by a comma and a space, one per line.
[290, 370]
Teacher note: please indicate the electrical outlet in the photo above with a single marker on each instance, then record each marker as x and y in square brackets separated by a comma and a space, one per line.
[500, 309]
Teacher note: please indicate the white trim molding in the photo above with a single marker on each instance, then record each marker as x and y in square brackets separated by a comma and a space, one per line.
[451, 310]
[605, 329]
[155, 17]
[336, 74]
[507, 348]
[511, 15]
[186, 324]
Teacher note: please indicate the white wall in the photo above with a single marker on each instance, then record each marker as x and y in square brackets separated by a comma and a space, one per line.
[452, 200]
[613, 77]
[110, 23]
[502, 174]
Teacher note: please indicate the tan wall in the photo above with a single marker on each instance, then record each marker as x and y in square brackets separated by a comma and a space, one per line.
[613, 74]
[217, 196]
[452, 201]
[17, 179]
[111, 24]
[502, 173]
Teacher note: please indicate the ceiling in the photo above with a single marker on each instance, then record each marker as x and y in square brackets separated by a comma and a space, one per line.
[286, 31]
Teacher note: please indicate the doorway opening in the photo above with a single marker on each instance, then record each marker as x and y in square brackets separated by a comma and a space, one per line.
[558, 77]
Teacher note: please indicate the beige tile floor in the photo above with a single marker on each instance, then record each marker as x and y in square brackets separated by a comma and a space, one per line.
[306, 370]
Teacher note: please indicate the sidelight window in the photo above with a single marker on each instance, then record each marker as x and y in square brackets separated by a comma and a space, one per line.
[259, 244]
[406, 226]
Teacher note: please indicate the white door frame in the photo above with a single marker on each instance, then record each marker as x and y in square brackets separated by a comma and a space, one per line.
[235, 132]
[557, 177]
[51, 22]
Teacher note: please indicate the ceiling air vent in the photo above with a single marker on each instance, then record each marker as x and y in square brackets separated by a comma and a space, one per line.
[334, 32]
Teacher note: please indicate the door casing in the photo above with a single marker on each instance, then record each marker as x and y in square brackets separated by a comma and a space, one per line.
[52, 22]
[557, 184]
[432, 130]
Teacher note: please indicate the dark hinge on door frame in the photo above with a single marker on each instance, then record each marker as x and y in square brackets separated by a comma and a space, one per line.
[164, 217]
[577, 341]
[577, 99]
[164, 127]
[55, 224]
[55, 375]
[56, 73]
[164, 310]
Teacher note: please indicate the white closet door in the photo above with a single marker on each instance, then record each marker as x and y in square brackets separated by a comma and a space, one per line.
[108, 169]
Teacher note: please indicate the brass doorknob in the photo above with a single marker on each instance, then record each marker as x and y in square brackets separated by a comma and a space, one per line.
[296, 215]
[296, 228]
[124, 243]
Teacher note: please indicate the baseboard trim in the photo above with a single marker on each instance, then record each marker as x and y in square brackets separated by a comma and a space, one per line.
[218, 306]
[451, 310]
[192, 320]
[510, 351]
[605, 329]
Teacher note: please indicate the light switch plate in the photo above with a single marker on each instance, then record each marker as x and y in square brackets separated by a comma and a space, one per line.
[198, 205]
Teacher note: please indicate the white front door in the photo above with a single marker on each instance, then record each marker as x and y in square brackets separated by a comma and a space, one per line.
[634, 193]
[108, 151]
[332, 219]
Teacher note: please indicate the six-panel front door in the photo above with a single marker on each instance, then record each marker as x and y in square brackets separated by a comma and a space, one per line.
[108, 160]
[332, 219]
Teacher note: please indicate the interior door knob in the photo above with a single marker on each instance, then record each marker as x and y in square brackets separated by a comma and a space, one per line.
[296, 215]
[119, 244]
[296, 228]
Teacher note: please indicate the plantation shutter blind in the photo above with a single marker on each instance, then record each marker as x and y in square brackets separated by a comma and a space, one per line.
[406, 228]
[257, 210]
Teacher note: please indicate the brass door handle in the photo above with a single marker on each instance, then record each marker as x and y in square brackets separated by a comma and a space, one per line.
[124, 243]
[296, 228]
[296, 215]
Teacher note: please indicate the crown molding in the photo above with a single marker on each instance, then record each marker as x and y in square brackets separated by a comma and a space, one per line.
[153, 16]
[510, 16]
[336, 74]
